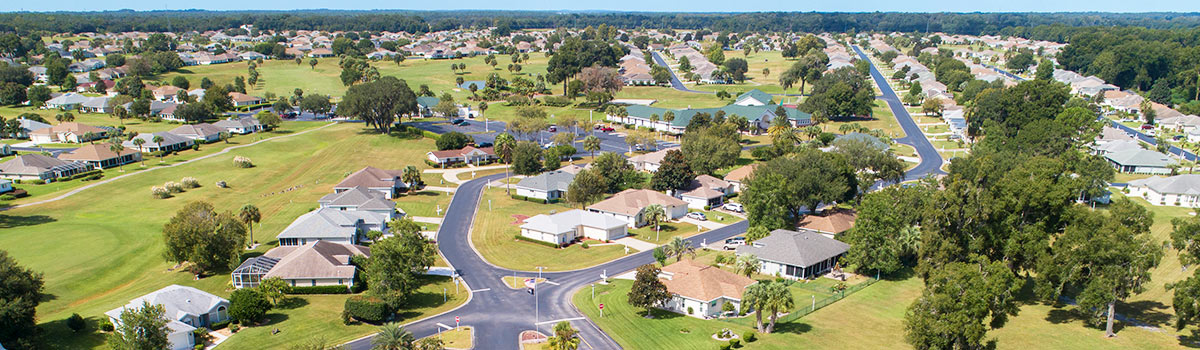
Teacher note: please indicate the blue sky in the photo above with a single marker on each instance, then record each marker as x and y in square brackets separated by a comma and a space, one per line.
[631, 5]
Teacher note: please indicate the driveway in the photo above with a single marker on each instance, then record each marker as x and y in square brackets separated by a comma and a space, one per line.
[636, 244]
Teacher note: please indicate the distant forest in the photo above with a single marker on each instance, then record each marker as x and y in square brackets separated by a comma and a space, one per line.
[1050, 26]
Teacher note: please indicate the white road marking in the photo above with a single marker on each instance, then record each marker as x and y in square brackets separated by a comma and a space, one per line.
[481, 290]
[444, 326]
[552, 282]
[565, 319]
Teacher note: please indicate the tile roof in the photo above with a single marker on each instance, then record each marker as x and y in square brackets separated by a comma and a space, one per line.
[833, 222]
[697, 281]
[372, 177]
[804, 248]
[321, 259]
[630, 202]
[95, 152]
[740, 174]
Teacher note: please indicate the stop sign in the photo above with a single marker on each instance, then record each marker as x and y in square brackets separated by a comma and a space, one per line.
[601, 306]
[455, 319]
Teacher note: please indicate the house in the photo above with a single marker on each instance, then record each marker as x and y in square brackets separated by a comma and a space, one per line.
[737, 177]
[320, 52]
[101, 156]
[1140, 161]
[796, 255]
[550, 185]
[68, 132]
[6, 150]
[320, 263]
[5, 186]
[333, 225]
[96, 105]
[705, 192]
[165, 92]
[187, 309]
[36, 166]
[1178, 190]
[203, 132]
[629, 205]
[1115, 146]
[67, 101]
[468, 154]
[241, 100]
[385, 182]
[831, 223]
[27, 126]
[753, 97]
[649, 162]
[1108, 134]
[1181, 123]
[170, 142]
[361, 199]
[241, 125]
[760, 117]
[568, 226]
[700, 290]
[425, 105]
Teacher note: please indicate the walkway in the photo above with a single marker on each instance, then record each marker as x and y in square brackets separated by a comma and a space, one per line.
[635, 244]
[105, 181]
[451, 175]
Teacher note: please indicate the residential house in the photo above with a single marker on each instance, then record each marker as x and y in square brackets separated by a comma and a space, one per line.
[830, 223]
[385, 182]
[753, 97]
[425, 105]
[760, 117]
[98, 104]
[630, 205]
[333, 225]
[705, 192]
[203, 132]
[27, 126]
[5, 186]
[68, 132]
[166, 92]
[569, 226]
[102, 156]
[1140, 161]
[1180, 123]
[700, 290]
[187, 309]
[170, 142]
[67, 101]
[241, 100]
[320, 52]
[468, 154]
[1109, 134]
[1178, 190]
[241, 125]
[550, 185]
[649, 162]
[1116, 146]
[320, 263]
[36, 166]
[361, 199]
[795, 255]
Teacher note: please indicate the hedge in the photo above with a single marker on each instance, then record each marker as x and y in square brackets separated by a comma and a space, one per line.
[535, 200]
[368, 309]
[219, 325]
[531, 240]
[320, 290]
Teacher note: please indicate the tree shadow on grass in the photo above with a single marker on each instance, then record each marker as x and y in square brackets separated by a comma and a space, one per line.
[273, 319]
[14, 221]
[1061, 314]
[1192, 340]
[289, 303]
[794, 327]
[56, 335]
[1150, 312]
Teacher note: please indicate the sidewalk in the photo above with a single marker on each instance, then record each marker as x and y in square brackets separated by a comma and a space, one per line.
[427, 220]
[635, 244]
[711, 225]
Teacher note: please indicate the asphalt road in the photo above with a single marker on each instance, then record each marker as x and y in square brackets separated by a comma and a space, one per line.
[498, 313]
[931, 161]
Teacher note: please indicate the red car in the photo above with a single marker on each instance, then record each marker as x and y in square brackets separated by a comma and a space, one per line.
[606, 129]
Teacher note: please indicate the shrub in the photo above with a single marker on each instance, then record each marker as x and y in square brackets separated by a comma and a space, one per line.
[76, 323]
[690, 310]
[749, 336]
[160, 192]
[201, 336]
[37, 182]
[173, 187]
[367, 309]
[720, 259]
[346, 319]
[7, 197]
[234, 328]
[242, 162]
[106, 325]
[723, 347]
[584, 245]
[734, 343]
[248, 305]
[220, 325]
[727, 307]
[556, 101]
[190, 182]
[531, 240]
[320, 290]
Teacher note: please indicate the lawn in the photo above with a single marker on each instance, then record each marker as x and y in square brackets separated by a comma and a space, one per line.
[901, 149]
[106, 246]
[671, 98]
[95, 119]
[459, 338]
[494, 230]
[666, 231]
[424, 203]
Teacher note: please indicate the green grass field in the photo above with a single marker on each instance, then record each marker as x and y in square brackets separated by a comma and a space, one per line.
[95, 119]
[494, 229]
[102, 247]
[666, 232]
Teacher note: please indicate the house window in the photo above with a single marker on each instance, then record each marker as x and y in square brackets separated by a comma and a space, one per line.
[340, 282]
[314, 283]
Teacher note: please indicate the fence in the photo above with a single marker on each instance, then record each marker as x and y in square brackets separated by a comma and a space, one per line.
[817, 305]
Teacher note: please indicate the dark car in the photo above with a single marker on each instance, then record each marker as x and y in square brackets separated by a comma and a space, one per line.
[483, 144]
[457, 121]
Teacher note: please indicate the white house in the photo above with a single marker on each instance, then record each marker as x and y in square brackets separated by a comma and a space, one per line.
[650, 162]
[700, 290]
[361, 199]
[550, 185]
[187, 309]
[333, 225]
[705, 192]
[566, 227]
[1140, 161]
[1178, 191]
[467, 154]
[795, 255]
[629, 206]
[243, 125]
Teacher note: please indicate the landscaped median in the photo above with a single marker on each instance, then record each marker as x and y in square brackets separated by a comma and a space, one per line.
[498, 222]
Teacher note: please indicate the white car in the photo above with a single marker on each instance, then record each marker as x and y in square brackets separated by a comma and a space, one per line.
[698, 216]
[734, 207]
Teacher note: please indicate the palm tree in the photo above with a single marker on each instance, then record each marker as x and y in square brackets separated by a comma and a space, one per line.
[90, 137]
[158, 141]
[678, 247]
[591, 143]
[565, 337]
[412, 177]
[250, 215]
[393, 337]
[755, 297]
[503, 147]
[779, 298]
[138, 143]
[812, 132]
[117, 148]
[224, 135]
[655, 215]
[747, 265]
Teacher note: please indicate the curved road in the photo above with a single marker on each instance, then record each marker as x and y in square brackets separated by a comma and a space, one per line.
[499, 313]
[931, 161]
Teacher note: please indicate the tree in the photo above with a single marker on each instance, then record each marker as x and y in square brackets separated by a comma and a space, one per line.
[588, 187]
[654, 214]
[678, 246]
[249, 215]
[551, 159]
[275, 289]
[208, 239]
[778, 299]
[959, 303]
[1104, 258]
[397, 262]
[1045, 70]
[248, 305]
[755, 233]
[565, 337]
[755, 297]
[1160, 93]
[737, 69]
[871, 161]
[453, 140]
[158, 139]
[192, 112]
[268, 119]
[673, 174]
[712, 149]
[20, 294]
[660, 74]
[843, 92]
[117, 148]
[411, 177]
[617, 170]
[648, 291]
[315, 103]
[747, 265]
[76, 323]
[392, 336]
[37, 95]
[878, 240]
[217, 99]
[379, 102]
[143, 328]
[660, 255]
[777, 191]
[312, 63]
[526, 158]
[932, 106]
[591, 143]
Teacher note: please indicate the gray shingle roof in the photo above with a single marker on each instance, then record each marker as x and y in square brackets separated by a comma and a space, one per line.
[1139, 157]
[1180, 184]
[568, 220]
[330, 223]
[179, 301]
[548, 181]
[795, 248]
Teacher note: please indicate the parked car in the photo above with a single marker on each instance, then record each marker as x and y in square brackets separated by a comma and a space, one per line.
[734, 207]
[733, 243]
[698, 216]
[457, 121]
[464, 123]
[548, 145]
[552, 128]
[639, 147]
[605, 128]
[1147, 126]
